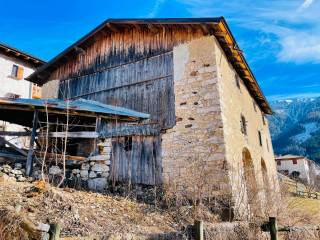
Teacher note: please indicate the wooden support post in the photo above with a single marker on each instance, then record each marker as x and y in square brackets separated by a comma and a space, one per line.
[98, 129]
[54, 232]
[198, 230]
[29, 163]
[273, 228]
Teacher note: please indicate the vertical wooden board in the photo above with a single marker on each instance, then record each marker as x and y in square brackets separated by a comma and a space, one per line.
[142, 165]
[154, 96]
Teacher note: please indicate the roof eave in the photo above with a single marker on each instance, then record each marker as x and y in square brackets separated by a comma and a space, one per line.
[22, 55]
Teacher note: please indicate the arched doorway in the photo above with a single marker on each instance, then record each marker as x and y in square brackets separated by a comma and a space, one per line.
[250, 182]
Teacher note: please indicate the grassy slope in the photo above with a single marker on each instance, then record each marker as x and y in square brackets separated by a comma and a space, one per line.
[307, 204]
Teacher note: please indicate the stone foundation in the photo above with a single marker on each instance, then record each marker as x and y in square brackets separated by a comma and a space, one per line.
[95, 171]
[15, 173]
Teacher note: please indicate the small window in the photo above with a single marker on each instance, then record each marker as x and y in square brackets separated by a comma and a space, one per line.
[279, 163]
[243, 125]
[254, 106]
[14, 71]
[263, 120]
[17, 72]
[260, 138]
[128, 144]
[238, 81]
[294, 161]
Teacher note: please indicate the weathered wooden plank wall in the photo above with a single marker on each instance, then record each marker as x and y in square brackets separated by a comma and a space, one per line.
[145, 86]
[131, 68]
[129, 44]
[140, 164]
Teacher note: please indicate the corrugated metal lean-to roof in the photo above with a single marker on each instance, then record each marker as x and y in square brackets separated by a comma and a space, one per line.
[21, 109]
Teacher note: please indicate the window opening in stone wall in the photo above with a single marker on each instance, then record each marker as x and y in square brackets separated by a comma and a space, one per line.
[263, 120]
[238, 81]
[260, 138]
[243, 125]
[254, 106]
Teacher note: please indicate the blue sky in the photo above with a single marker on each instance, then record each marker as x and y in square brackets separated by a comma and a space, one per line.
[280, 38]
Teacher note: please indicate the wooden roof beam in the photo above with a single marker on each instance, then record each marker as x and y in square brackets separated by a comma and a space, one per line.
[79, 50]
[220, 34]
[152, 28]
[205, 29]
[113, 27]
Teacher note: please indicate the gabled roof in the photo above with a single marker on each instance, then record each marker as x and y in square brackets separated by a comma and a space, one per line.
[210, 26]
[23, 56]
[289, 157]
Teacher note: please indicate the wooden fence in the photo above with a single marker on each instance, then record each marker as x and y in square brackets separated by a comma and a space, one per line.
[271, 227]
[313, 195]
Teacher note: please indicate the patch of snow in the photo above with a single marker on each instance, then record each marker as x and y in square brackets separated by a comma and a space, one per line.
[309, 128]
[279, 111]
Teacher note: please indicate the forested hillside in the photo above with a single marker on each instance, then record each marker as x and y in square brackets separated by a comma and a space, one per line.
[295, 127]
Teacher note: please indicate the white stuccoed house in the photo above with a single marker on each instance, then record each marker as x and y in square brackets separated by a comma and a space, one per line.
[297, 166]
[15, 66]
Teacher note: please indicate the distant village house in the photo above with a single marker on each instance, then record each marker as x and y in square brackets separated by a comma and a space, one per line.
[298, 167]
[15, 66]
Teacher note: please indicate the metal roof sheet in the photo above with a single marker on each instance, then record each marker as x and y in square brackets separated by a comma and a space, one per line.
[78, 105]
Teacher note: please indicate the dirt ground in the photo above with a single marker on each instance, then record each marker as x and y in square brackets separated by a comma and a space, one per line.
[85, 214]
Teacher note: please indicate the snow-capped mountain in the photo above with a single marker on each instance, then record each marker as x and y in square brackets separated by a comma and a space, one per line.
[295, 127]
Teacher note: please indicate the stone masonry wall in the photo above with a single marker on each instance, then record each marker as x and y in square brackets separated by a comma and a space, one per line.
[236, 101]
[193, 151]
[95, 171]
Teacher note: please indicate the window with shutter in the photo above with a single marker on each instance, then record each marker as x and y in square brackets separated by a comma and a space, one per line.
[17, 72]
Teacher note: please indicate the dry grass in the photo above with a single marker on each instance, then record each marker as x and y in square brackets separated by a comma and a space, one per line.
[83, 213]
[10, 223]
[296, 211]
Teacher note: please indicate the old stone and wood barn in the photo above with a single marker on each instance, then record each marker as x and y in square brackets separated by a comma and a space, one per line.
[191, 77]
